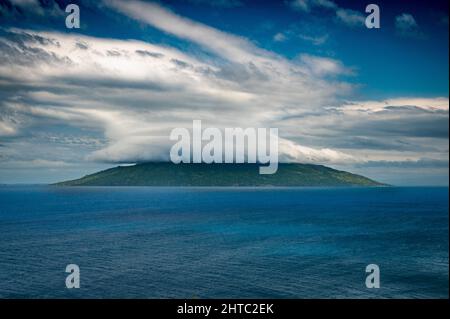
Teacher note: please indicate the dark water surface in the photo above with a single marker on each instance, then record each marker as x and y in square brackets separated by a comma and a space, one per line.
[223, 242]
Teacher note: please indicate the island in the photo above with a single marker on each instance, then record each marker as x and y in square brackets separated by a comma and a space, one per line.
[169, 174]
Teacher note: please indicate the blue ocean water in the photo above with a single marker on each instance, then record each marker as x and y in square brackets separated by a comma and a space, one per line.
[149, 242]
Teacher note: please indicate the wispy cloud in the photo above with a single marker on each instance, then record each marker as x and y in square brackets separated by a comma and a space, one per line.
[322, 66]
[315, 40]
[23, 9]
[307, 5]
[280, 37]
[229, 46]
[350, 17]
[440, 104]
[406, 25]
[218, 3]
[346, 16]
[295, 33]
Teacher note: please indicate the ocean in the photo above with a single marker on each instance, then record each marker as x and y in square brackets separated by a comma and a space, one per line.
[150, 242]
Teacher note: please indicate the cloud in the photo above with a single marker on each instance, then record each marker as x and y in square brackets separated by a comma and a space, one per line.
[144, 90]
[36, 163]
[410, 121]
[351, 17]
[406, 25]
[346, 16]
[302, 5]
[324, 66]
[405, 22]
[419, 163]
[396, 130]
[293, 32]
[440, 104]
[7, 129]
[292, 152]
[307, 5]
[315, 40]
[218, 3]
[229, 46]
[279, 37]
[303, 30]
[29, 9]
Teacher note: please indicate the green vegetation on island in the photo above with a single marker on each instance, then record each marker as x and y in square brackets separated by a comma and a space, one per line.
[169, 174]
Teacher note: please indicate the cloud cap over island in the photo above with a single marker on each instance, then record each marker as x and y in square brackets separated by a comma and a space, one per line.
[74, 101]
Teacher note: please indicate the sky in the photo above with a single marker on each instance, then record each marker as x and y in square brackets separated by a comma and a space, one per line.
[370, 101]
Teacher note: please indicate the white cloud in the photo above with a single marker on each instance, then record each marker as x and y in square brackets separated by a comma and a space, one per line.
[350, 17]
[324, 66]
[292, 152]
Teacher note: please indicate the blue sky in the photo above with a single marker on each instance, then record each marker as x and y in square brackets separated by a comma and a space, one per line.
[371, 101]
